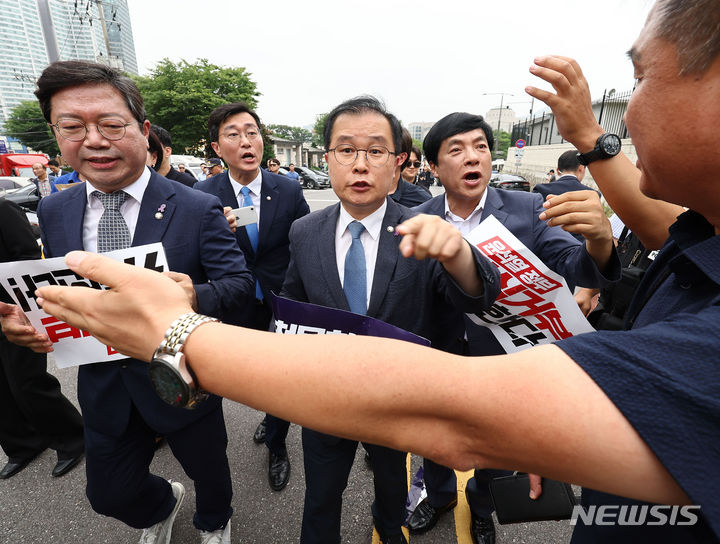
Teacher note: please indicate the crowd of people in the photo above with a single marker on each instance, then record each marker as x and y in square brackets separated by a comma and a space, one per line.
[632, 415]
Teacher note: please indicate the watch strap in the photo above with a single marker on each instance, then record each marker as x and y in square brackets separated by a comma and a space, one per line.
[179, 330]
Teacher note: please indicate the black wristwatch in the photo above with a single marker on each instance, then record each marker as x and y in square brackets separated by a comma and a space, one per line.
[173, 380]
[608, 145]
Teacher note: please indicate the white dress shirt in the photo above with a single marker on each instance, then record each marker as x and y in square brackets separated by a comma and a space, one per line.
[255, 187]
[370, 239]
[465, 226]
[130, 209]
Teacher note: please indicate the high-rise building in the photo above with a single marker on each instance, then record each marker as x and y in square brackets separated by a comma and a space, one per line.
[418, 131]
[34, 33]
[506, 117]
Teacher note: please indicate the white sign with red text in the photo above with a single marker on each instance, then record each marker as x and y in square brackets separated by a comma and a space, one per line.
[534, 306]
[71, 346]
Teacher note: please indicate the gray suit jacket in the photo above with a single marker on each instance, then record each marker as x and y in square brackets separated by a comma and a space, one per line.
[407, 293]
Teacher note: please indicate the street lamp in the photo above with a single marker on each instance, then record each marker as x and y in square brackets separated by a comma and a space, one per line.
[502, 97]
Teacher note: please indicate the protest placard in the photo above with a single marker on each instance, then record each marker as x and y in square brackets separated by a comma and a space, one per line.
[71, 346]
[534, 306]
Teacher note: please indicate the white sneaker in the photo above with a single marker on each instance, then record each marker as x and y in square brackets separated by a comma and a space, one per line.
[219, 536]
[160, 532]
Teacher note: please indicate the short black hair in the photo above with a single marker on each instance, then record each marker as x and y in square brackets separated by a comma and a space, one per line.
[220, 114]
[156, 146]
[163, 134]
[450, 125]
[53, 162]
[70, 73]
[363, 104]
[568, 161]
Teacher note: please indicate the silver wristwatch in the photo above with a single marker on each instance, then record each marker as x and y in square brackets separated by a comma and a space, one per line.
[173, 380]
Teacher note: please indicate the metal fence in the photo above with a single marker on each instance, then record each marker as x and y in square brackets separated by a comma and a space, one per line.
[541, 129]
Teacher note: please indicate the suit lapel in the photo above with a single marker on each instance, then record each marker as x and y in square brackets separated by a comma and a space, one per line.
[73, 219]
[156, 201]
[493, 206]
[387, 257]
[269, 201]
[225, 191]
[326, 253]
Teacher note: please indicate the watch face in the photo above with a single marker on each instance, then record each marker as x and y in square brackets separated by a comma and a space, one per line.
[610, 144]
[168, 383]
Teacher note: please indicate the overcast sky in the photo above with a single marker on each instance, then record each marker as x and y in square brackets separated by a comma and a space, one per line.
[424, 58]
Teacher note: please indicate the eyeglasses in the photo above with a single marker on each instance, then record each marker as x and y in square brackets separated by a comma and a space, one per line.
[234, 136]
[414, 164]
[77, 131]
[376, 155]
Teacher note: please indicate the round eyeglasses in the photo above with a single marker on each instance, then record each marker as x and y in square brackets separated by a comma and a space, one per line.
[376, 155]
[76, 131]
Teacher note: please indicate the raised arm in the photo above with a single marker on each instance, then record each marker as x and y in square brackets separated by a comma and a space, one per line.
[462, 412]
[617, 177]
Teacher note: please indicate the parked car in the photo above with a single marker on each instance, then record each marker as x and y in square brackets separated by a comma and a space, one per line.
[509, 182]
[13, 182]
[310, 179]
[25, 197]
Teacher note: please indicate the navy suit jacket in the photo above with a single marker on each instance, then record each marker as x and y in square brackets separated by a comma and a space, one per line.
[559, 250]
[563, 184]
[197, 242]
[406, 292]
[282, 202]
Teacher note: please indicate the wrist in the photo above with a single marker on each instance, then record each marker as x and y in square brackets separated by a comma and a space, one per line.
[586, 141]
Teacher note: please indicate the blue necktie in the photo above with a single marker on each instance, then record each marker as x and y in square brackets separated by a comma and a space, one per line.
[252, 232]
[355, 284]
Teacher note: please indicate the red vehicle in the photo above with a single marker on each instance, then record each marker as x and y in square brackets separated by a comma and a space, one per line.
[20, 164]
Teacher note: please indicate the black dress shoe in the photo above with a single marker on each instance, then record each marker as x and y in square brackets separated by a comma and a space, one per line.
[278, 471]
[425, 515]
[64, 466]
[394, 539]
[482, 530]
[259, 436]
[14, 466]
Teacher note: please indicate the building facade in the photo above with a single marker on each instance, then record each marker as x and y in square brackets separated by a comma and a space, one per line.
[505, 117]
[37, 32]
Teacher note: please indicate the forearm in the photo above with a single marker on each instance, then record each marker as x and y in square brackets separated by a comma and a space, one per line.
[649, 219]
[458, 411]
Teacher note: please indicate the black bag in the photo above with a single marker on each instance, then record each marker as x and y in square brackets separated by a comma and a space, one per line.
[510, 495]
[609, 314]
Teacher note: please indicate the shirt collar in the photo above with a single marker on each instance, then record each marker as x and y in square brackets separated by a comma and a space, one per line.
[255, 185]
[372, 223]
[135, 190]
[478, 209]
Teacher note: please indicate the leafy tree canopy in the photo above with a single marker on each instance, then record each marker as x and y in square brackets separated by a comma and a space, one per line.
[27, 124]
[296, 134]
[318, 129]
[180, 96]
[503, 143]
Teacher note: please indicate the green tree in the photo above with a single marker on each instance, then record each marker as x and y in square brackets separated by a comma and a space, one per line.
[27, 124]
[418, 144]
[296, 134]
[318, 130]
[180, 96]
[503, 143]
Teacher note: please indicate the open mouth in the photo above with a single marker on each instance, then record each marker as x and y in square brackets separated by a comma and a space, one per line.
[361, 184]
[471, 176]
[248, 156]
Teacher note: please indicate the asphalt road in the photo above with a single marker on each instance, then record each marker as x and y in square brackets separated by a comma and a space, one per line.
[38, 509]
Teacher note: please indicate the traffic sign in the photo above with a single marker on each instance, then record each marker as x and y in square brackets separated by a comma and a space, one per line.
[520, 144]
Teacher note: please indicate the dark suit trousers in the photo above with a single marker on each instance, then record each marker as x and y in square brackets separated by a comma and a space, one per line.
[120, 485]
[328, 460]
[34, 413]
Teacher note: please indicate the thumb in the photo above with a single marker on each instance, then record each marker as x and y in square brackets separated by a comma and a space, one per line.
[100, 268]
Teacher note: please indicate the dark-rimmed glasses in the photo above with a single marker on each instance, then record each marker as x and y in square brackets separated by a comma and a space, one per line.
[376, 155]
[414, 164]
[76, 131]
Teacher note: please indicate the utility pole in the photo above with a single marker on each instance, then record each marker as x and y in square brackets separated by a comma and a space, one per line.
[502, 97]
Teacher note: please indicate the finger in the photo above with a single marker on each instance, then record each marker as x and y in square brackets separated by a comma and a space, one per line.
[544, 96]
[535, 486]
[407, 245]
[103, 269]
[567, 67]
[425, 241]
[410, 226]
[62, 301]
